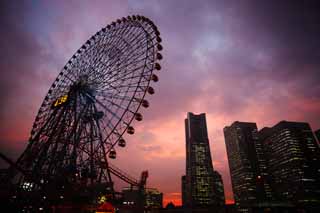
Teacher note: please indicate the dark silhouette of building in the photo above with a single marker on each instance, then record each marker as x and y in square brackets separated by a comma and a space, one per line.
[183, 190]
[247, 165]
[317, 133]
[293, 157]
[199, 185]
[277, 168]
[218, 189]
[153, 198]
[136, 200]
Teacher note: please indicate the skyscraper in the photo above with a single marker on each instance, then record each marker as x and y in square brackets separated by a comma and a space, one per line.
[199, 185]
[317, 133]
[278, 165]
[293, 157]
[247, 164]
[218, 189]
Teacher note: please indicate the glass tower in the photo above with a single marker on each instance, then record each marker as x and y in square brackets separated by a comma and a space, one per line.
[247, 164]
[317, 133]
[277, 166]
[293, 156]
[199, 185]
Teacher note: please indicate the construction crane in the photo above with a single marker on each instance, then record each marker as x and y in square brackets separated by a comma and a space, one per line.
[141, 184]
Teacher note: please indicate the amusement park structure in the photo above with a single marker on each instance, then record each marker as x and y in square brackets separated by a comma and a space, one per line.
[84, 116]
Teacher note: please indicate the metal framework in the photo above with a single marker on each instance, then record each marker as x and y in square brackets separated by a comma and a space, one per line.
[92, 103]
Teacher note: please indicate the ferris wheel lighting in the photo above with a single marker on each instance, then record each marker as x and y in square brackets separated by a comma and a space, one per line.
[60, 101]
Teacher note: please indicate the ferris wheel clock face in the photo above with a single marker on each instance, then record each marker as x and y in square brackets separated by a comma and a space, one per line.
[94, 99]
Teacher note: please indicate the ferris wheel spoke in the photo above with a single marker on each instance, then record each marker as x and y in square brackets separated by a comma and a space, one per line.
[119, 106]
[124, 74]
[126, 64]
[125, 35]
[123, 80]
[134, 51]
[115, 96]
[107, 109]
[109, 124]
[112, 129]
[131, 44]
[115, 39]
[128, 54]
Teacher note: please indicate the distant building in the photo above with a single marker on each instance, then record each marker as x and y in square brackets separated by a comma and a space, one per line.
[133, 197]
[293, 157]
[198, 185]
[153, 198]
[247, 164]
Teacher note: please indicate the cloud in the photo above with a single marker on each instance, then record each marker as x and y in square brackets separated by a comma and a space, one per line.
[234, 60]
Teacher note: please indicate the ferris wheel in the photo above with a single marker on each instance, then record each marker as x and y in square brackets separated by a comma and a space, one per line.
[93, 101]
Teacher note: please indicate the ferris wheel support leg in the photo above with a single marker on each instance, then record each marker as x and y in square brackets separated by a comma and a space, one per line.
[104, 153]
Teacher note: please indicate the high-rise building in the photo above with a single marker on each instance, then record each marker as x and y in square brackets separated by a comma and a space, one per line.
[247, 164]
[277, 166]
[199, 183]
[317, 133]
[218, 189]
[183, 190]
[293, 157]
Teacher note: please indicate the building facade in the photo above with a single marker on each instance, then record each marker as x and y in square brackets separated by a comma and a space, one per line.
[277, 167]
[134, 198]
[293, 157]
[218, 189]
[199, 185]
[317, 133]
[248, 167]
[153, 198]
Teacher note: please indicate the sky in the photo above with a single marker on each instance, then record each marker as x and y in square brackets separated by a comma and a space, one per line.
[255, 61]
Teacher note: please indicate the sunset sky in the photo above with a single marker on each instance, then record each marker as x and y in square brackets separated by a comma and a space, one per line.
[256, 61]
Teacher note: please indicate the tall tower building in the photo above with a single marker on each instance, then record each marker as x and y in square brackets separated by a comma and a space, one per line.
[218, 189]
[199, 185]
[247, 164]
[293, 156]
[317, 133]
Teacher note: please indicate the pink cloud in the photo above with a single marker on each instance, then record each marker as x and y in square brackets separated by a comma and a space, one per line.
[217, 60]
